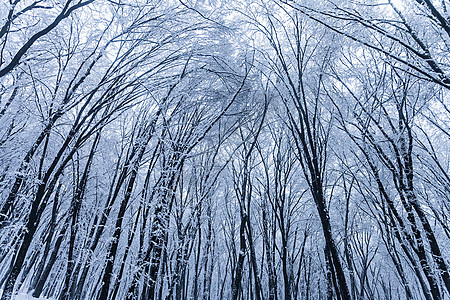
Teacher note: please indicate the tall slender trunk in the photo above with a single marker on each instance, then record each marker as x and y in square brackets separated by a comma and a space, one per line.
[237, 276]
[40, 268]
[51, 261]
[111, 256]
[74, 211]
[125, 255]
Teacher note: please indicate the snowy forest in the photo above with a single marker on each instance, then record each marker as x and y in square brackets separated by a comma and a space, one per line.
[240, 149]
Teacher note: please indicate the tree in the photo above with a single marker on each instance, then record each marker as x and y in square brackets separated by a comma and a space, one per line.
[393, 121]
[307, 120]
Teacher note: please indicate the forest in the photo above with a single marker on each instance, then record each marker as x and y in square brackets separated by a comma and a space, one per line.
[211, 149]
